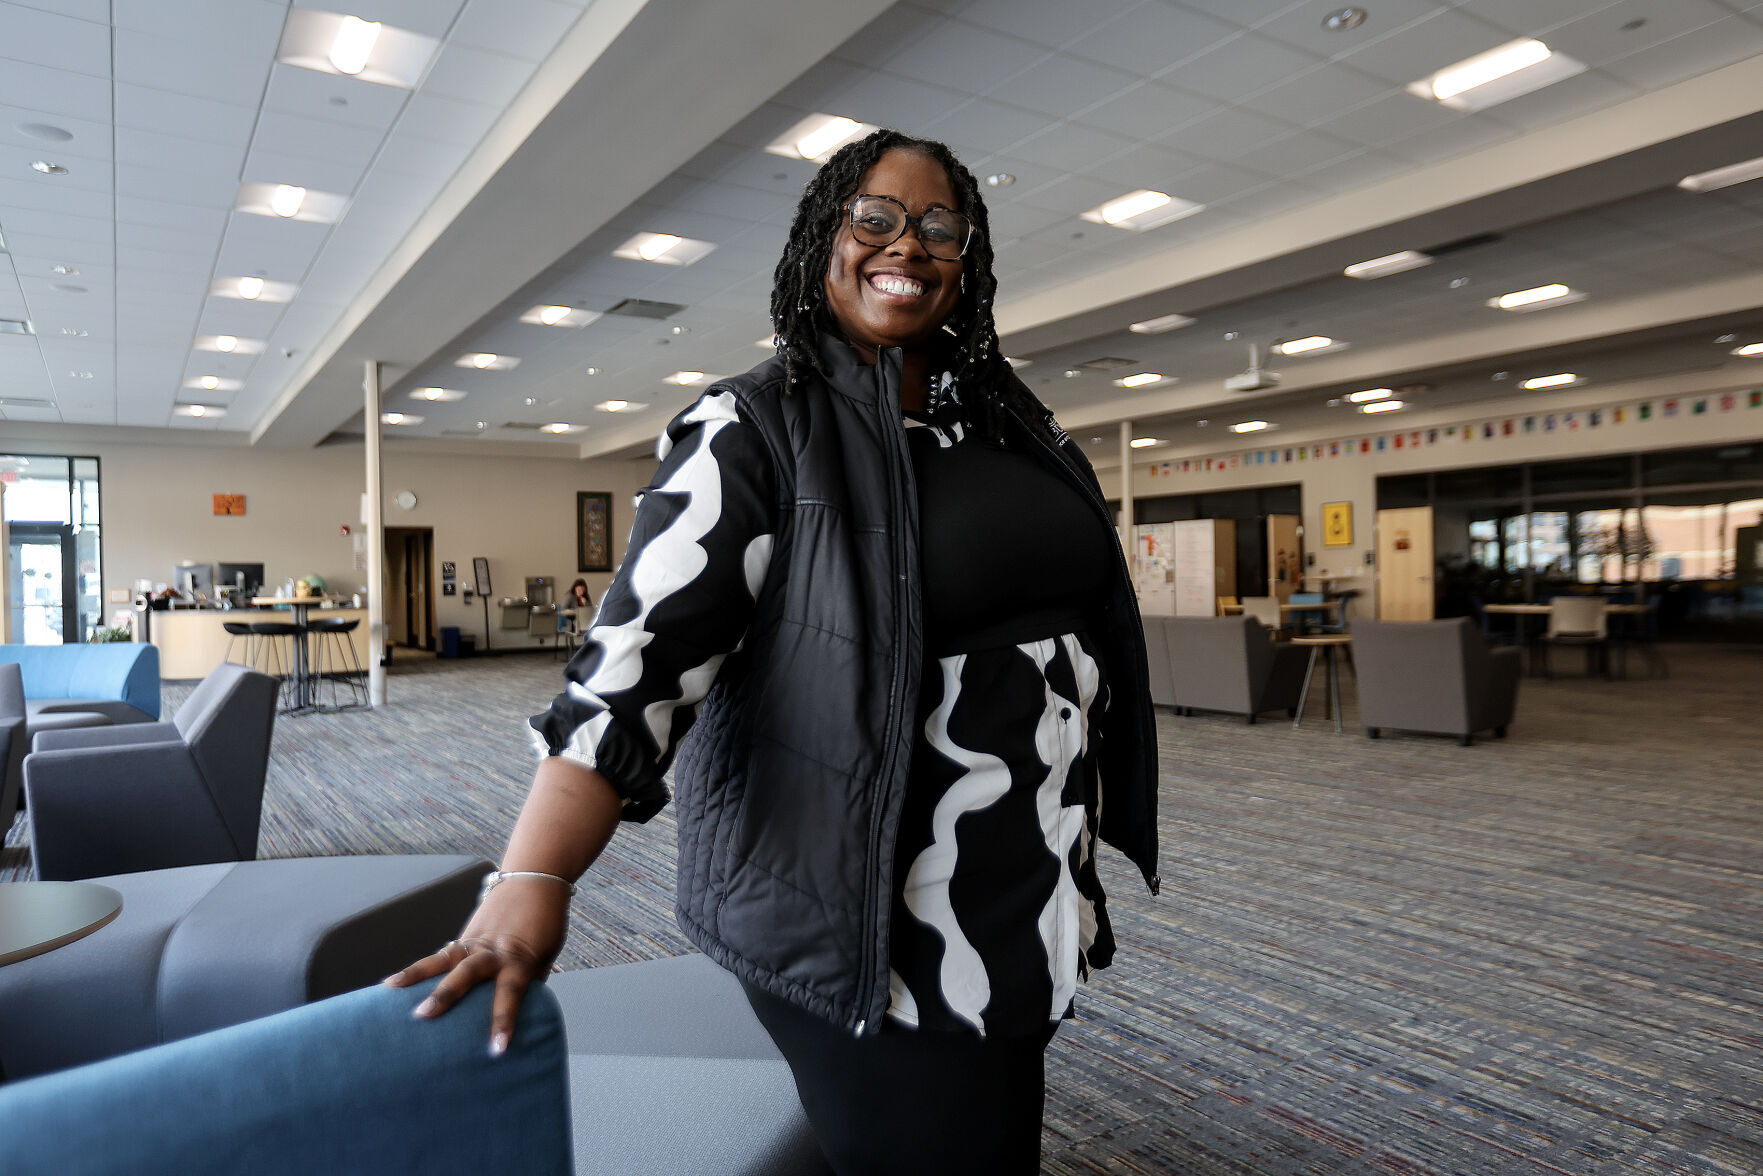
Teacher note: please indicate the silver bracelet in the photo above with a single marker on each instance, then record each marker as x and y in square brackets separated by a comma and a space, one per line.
[496, 876]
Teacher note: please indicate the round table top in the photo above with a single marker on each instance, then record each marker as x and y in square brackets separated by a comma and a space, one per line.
[36, 917]
[1324, 639]
[287, 600]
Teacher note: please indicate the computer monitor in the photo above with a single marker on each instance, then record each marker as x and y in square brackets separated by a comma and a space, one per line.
[193, 580]
[248, 576]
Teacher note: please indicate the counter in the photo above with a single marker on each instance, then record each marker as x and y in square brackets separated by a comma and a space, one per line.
[191, 641]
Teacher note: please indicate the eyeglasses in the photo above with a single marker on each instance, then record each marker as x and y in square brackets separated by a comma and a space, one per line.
[881, 220]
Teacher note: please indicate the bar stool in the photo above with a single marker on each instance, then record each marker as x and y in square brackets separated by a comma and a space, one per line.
[275, 650]
[335, 654]
[234, 631]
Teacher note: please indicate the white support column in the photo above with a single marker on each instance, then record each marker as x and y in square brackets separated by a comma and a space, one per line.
[1126, 495]
[376, 539]
[5, 576]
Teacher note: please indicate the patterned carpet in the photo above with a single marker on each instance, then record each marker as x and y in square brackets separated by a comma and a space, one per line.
[1536, 955]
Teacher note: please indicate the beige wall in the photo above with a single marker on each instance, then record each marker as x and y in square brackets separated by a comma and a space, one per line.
[1354, 479]
[157, 509]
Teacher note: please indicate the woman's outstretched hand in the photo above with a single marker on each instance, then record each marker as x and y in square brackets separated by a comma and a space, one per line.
[511, 940]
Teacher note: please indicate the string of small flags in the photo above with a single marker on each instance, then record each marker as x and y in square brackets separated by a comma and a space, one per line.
[1479, 431]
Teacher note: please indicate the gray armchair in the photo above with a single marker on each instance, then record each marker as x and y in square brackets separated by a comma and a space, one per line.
[1435, 676]
[147, 796]
[1225, 664]
[12, 742]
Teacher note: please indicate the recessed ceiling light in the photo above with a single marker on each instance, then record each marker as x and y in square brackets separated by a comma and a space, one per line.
[80, 375]
[1389, 263]
[19, 327]
[228, 344]
[1141, 209]
[75, 332]
[1251, 426]
[47, 168]
[1500, 74]
[592, 371]
[559, 316]
[685, 379]
[250, 288]
[1749, 350]
[1145, 442]
[1072, 373]
[437, 395]
[212, 383]
[561, 427]
[1000, 180]
[1306, 345]
[1723, 177]
[370, 51]
[620, 406]
[1559, 380]
[530, 401]
[1381, 406]
[290, 202]
[399, 418]
[208, 411]
[1537, 298]
[663, 249]
[1160, 324]
[481, 425]
[487, 361]
[285, 200]
[1140, 380]
[353, 43]
[209, 382]
[1342, 19]
[1370, 394]
[816, 137]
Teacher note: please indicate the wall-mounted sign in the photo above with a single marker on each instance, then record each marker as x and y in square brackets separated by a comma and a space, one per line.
[229, 504]
[1337, 524]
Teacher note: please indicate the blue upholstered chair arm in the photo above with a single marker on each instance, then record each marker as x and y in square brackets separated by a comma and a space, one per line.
[350, 1084]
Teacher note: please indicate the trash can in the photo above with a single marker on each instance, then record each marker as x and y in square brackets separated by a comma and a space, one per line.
[450, 641]
[468, 645]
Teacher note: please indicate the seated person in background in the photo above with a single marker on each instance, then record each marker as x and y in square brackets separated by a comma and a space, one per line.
[578, 596]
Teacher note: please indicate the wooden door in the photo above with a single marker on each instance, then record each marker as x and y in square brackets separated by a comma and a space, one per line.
[1284, 557]
[1404, 564]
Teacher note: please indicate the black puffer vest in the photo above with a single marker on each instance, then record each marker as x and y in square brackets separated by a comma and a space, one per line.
[788, 787]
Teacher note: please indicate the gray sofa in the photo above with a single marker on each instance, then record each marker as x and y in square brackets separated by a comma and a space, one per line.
[149, 796]
[1434, 676]
[204, 946]
[12, 743]
[1221, 664]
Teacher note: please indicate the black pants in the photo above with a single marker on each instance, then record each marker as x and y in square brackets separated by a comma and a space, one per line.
[904, 1101]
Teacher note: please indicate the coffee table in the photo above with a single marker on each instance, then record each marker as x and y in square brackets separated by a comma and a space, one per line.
[36, 917]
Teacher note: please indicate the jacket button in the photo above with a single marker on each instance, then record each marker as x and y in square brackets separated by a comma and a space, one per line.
[1064, 713]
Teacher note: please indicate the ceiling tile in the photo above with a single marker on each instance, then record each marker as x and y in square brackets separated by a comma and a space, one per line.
[55, 91]
[1048, 24]
[881, 98]
[151, 109]
[1565, 99]
[1070, 147]
[1424, 47]
[18, 196]
[1062, 85]
[1602, 36]
[347, 149]
[983, 127]
[333, 97]
[431, 18]
[1389, 119]
[449, 120]
[1234, 69]
[1227, 134]
[83, 175]
[1297, 153]
[1147, 111]
[202, 162]
[91, 140]
[1301, 27]
[528, 29]
[1152, 37]
[1319, 94]
[1216, 181]
[1686, 56]
[1242, 12]
[191, 65]
[1444, 142]
[473, 75]
[30, 34]
[975, 59]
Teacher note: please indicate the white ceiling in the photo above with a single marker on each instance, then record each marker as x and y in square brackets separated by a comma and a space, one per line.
[545, 132]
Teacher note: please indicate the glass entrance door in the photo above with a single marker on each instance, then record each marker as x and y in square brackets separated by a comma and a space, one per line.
[44, 586]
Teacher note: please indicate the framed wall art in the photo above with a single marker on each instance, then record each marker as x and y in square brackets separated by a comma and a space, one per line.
[593, 531]
[1337, 524]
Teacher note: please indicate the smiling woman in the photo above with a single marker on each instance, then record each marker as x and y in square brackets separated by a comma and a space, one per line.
[885, 587]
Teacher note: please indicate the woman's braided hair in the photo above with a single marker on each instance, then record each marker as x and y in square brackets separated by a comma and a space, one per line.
[798, 311]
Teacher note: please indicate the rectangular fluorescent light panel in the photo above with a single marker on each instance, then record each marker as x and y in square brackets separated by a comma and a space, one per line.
[688, 379]
[347, 46]
[1537, 298]
[14, 327]
[559, 316]
[199, 411]
[1749, 350]
[487, 361]
[251, 288]
[1390, 263]
[1140, 380]
[290, 202]
[664, 249]
[437, 395]
[1145, 442]
[1251, 426]
[229, 344]
[1499, 75]
[1307, 345]
[399, 418]
[1381, 406]
[816, 137]
[1559, 380]
[1370, 394]
[1724, 177]
[621, 405]
[1160, 324]
[1141, 209]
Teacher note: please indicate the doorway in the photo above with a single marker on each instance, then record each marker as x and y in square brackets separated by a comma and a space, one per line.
[41, 564]
[1404, 564]
[410, 605]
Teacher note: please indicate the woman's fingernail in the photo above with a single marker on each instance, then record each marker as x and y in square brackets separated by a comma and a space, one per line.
[392, 979]
[424, 1009]
[498, 1045]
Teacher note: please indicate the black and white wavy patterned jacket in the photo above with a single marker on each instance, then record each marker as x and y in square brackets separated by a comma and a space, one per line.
[788, 644]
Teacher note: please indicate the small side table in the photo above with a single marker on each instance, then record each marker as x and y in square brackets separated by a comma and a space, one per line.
[1325, 644]
[36, 917]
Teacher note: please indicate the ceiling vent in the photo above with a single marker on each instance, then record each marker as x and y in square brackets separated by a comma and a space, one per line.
[24, 402]
[14, 327]
[1107, 363]
[528, 425]
[643, 308]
